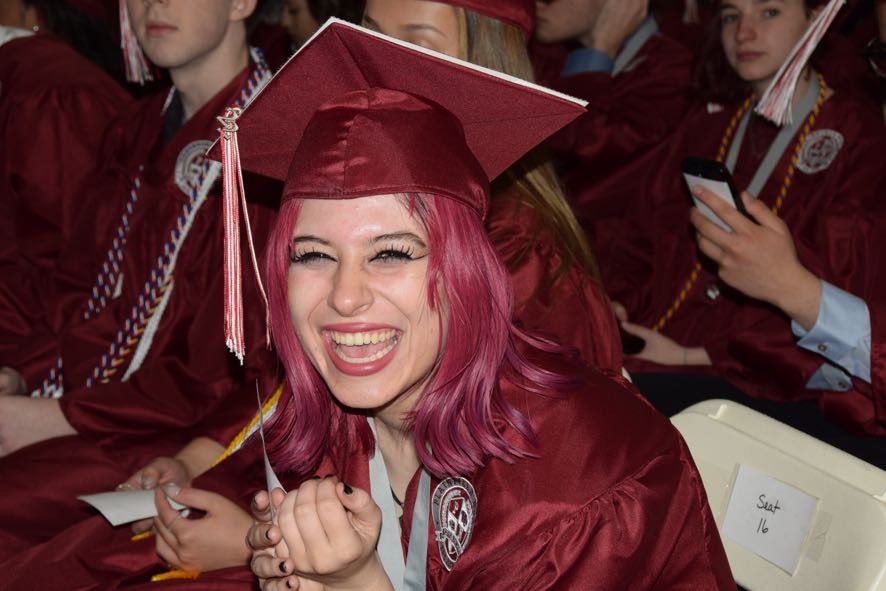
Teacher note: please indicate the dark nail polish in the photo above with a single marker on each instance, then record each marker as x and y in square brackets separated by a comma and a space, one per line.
[283, 567]
[348, 489]
[288, 584]
[329, 476]
[268, 534]
[315, 478]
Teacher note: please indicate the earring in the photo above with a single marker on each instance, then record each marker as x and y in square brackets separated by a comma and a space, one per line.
[36, 28]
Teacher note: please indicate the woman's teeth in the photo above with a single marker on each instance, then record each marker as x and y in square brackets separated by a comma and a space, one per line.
[352, 339]
[358, 339]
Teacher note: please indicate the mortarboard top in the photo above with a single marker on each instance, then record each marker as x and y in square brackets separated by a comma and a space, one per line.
[355, 113]
[346, 74]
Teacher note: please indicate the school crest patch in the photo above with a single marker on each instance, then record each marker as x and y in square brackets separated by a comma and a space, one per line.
[189, 165]
[819, 150]
[454, 508]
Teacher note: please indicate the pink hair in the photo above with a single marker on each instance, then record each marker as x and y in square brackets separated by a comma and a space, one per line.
[463, 402]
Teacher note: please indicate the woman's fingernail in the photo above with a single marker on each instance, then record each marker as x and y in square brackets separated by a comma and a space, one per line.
[315, 478]
[283, 567]
[147, 483]
[268, 534]
[329, 476]
[124, 486]
[171, 489]
[348, 489]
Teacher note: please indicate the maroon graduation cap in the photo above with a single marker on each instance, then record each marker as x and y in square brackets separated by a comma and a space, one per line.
[356, 113]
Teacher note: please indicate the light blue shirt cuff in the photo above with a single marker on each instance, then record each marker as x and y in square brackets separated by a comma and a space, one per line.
[842, 335]
[586, 59]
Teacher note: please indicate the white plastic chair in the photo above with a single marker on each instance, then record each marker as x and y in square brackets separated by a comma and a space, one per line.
[844, 547]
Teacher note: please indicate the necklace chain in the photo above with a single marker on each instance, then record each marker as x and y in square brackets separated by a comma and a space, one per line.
[786, 183]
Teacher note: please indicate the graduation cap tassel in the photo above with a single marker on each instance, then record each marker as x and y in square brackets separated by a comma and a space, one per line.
[775, 104]
[137, 68]
[232, 193]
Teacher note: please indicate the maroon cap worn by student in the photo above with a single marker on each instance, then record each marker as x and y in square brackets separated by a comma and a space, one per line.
[355, 113]
[520, 13]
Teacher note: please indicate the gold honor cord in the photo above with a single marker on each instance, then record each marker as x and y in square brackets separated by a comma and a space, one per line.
[233, 446]
[823, 94]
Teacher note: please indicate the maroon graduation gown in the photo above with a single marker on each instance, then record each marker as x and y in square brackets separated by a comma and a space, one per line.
[568, 306]
[613, 501]
[628, 114]
[188, 384]
[55, 107]
[835, 215]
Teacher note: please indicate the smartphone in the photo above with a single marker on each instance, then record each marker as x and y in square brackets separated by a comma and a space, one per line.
[714, 176]
[631, 344]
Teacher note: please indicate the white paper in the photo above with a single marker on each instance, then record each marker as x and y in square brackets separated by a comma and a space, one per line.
[126, 506]
[270, 476]
[769, 518]
[719, 188]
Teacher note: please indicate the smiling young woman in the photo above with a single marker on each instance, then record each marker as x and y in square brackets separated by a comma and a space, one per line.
[409, 383]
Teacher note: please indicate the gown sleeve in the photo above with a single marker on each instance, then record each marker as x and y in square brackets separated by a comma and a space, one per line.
[650, 531]
[568, 305]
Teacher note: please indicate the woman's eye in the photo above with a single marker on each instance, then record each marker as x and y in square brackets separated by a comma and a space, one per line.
[311, 256]
[393, 255]
[771, 13]
[728, 19]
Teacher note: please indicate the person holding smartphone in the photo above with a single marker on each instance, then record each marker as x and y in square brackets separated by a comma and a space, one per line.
[758, 258]
[820, 174]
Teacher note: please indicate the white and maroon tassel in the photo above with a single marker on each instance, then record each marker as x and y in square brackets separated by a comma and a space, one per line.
[232, 178]
[690, 12]
[775, 104]
[137, 68]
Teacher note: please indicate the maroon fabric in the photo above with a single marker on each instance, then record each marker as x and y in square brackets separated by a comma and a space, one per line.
[488, 108]
[106, 10]
[566, 304]
[333, 159]
[188, 384]
[54, 110]
[876, 390]
[613, 501]
[835, 216]
[91, 554]
[274, 42]
[628, 115]
[520, 13]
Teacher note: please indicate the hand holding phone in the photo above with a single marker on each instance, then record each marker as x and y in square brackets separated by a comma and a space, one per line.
[715, 177]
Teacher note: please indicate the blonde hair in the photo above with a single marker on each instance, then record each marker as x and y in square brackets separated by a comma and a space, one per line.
[500, 46]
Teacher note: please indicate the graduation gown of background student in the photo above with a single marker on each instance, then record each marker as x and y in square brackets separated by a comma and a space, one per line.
[628, 114]
[186, 375]
[834, 216]
[568, 305]
[613, 501]
[91, 554]
[55, 108]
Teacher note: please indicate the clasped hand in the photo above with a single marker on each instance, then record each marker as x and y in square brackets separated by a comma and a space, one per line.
[324, 539]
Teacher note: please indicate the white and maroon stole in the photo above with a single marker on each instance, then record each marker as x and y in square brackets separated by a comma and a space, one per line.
[134, 338]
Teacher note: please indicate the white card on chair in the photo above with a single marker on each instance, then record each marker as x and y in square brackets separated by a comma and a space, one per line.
[768, 517]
